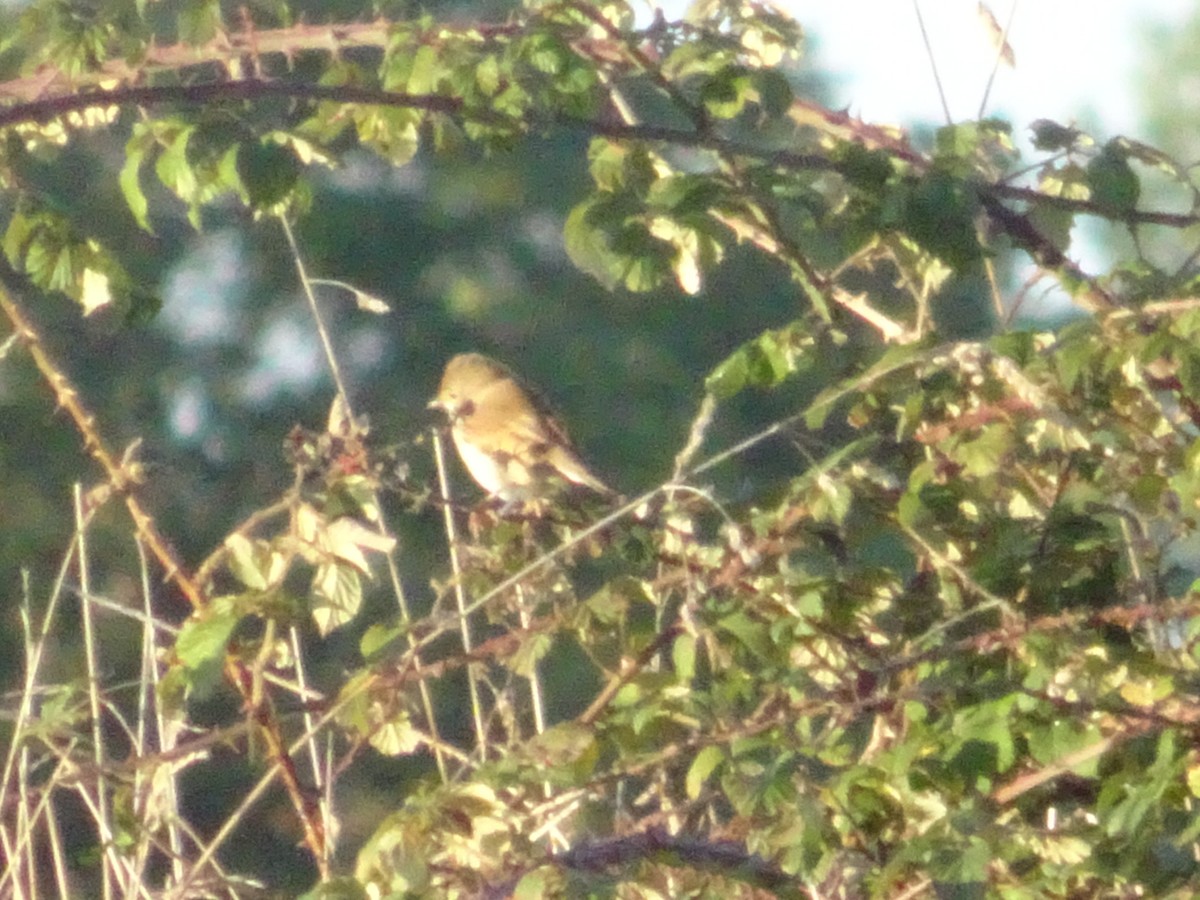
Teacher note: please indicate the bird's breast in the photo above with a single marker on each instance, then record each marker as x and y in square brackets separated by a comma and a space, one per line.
[496, 473]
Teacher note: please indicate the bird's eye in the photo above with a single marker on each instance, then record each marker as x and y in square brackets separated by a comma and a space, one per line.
[465, 408]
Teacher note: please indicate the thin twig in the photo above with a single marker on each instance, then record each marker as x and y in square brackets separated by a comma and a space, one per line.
[104, 832]
[695, 439]
[1001, 44]
[937, 78]
[317, 766]
[143, 788]
[34, 649]
[335, 370]
[165, 735]
[460, 593]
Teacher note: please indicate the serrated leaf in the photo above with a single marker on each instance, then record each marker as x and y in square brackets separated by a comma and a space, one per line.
[730, 376]
[392, 133]
[425, 72]
[487, 75]
[764, 361]
[346, 538]
[337, 596]
[531, 649]
[201, 644]
[397, 736]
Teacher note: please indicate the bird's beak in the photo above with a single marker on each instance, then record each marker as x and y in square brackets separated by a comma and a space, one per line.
[435, 403]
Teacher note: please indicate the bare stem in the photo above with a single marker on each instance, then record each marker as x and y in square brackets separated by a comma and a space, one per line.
[460, 594]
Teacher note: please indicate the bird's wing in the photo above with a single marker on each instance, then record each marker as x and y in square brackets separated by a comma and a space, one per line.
[520, 423]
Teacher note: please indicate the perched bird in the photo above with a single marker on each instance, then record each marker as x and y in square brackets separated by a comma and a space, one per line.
[507, 438]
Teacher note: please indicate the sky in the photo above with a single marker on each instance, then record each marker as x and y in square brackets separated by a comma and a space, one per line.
[1075, 59]
[1076, 62]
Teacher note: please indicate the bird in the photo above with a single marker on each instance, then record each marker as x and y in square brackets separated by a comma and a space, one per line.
[506, 436]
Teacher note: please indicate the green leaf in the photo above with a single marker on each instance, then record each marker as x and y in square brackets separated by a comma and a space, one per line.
[568, 749]
[201, 644]
[893, 360]
[267, 170]
[392, 133]
[343, 888]
[531, 649]
[174, 169]
[547, 53]
[987, 453]
[606, 163]
[684, 194]
[939, 213]
[1114, 185]
[765, 361]
[249, 561]
[1052, 743]
[1051, 137]
[730, 376]
[199, 21]
[487, 75]
[1053, 223]
[774, 92]
[337, 595]
[702, 767]
[426, 71]
[131, 187]
[397, 736]
[588, 248]
[866, 169]
[542, 882]
[683, 657]
[379, 638]
[724, 95]
[755, 635]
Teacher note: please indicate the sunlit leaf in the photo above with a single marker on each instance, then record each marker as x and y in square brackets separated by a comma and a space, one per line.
[704, 764]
